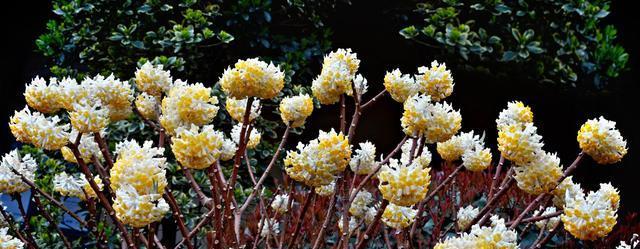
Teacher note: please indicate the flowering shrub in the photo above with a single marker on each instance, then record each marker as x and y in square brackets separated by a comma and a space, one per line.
[328, 193]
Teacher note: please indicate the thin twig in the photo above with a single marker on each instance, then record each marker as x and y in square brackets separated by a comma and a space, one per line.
[364, 238]
[373, 100]
[310, 195]
[178, 217]
[51, 221]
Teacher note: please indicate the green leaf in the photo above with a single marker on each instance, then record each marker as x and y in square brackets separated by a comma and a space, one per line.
[534, 47]
[494, 40]
[508, 56]
[409, 32]
[225, 37]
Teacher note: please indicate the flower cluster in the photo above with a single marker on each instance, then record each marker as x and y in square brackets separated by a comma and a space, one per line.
[437, 122]
[495, 236]
[237, 108]
[465, 216]
[400, 86]
[45, 98]
[87, 147]
[280, 203]
[326, 190]
[469, 147]
[353, 224]
[566, 187]
[398, 217]
[252, 78]
[187, 104]
[317, 163]
[10, 182]
[153, 80]
[148, 106]
[361, 203]
[9, 242]
[252, 136]
[435, 81]
[516, 113]
[270, 227]
[295, 109]
[338, 72]
[363, 161]
[592, 216]
[75, 186]
[138, 177]
[549, 223]
[600, 139]
[404, 185]
[540, 175]
[35, 128]
[197, 148]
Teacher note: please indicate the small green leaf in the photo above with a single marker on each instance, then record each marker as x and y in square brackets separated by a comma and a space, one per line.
[409, 32]
[225, 37]
[508, 56]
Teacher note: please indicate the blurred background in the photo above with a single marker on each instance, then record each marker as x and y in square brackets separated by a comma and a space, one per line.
[371, 29]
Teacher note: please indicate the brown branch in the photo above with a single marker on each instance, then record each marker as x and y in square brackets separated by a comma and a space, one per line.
[7, 217]
[496, 176]
[539, 217]
[343, 115]
[51, 221]
[300, 219]
[202, 198]
[373, 100]
[178, 217]
[362, 241]
[491, 203]
[327, 218]
[546, 239]
[104, 149]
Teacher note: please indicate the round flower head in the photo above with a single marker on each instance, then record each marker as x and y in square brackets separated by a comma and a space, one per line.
[138, 210]
[364, 160]
[252, 78]
[516, 113]
[338, 71]
[591, 217]
[9, 242]
[152, 79]
[435, 81]
[607, 191]
[89, 117]
[600, 139]
[148, 106]
[404, 185]
[415, 117]
[317, 163]
[495, 236]
[465, 216]
[423, 160]
[360, 204]
[72, 186]
[326, 190]
[34, 128]
[453, 148]
[237, 108]
[295, 109]
[252, 141]
[280, 203]
[444, 123]
[547, 224]
[519, 143]
[360, 84]
[353, 224]
[197, 148]
[398, 217]
[113, 93]
[228, 149]
[400, 86]
[71, 92]
[88, 148]
[141, 167]
[270, 227]
[477, 158]
[566, 187]
[540, 175]
[9, 181]
[42, 97]
[187, 104]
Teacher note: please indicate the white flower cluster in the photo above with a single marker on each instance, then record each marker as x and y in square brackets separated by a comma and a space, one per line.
[338, 71]
[437, 122]
[9, 181]
[495, 236]
[363, 161]
[153, 79]
[252, 138]
[8, 241]
[547, 224]
[280, 203]
[592, 216]
[466, 215]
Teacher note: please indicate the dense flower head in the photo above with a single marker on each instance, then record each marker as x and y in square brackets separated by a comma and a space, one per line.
[453, 148]
[270, 227]
[360, 84]
[540, 175]
[519, 143]
[197, 148]
[437, 122]
[415, 117]
[317, 163]
[136, 209]
[326, 190]
[515, 113]
[89, 117]
[237, 108]
[75, 186]
[435, 81]
[592, 216]
[371, 213]
[400, 86]
[35, 128]
[465, 216]
[404, 185]
[600, 139]
[477, 159]
[9, 242]
[549, 223]
[228, 149]
[148, 106]
[252, 78]
[363, 161]
[353, 224]
[423, 159]
[153, 79]
[9, 181]
[141, 167]
[45, 98]
[361, 203]
[398, 217]
[253, 138]
[496, 236]
[114, 94]
[280, 203]
[87, 147]
[338, 71]
[187, 104]
[566, 187]
[295, 109]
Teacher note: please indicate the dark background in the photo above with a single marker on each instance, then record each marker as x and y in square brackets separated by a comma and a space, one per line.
[369, 28]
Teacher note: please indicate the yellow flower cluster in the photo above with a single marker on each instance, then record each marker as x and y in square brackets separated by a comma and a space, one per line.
[89, 117]
[317, 163]
[326, 190]
[338, 72]
[9, 242]
[114, 94]
[516, 113]
[253, 138]
[398, 217]
[295, 109]
[252, 78]
[404, 185]
[400, 86]
[592, 216]
[437, 122]
[153, 80]
[148, 106]
[88, 148]
[435, 81]
[566, 188]
[10, 182]
[34, 128]
[469, 147]
[197, 148]
[600, 139]
[361, 203]
[540, 175]
[496, 236]
[364, 160]
[43, 97]
[139, 210]
[72, 186]
[236, 109]
[187, 104]
[465, 216]
[519, 143]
